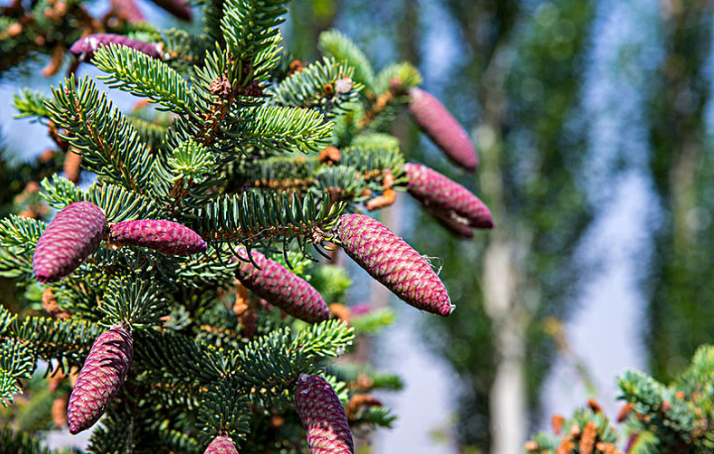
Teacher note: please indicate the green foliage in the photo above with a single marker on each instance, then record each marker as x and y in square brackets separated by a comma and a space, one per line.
[339, 46]
[16, 362]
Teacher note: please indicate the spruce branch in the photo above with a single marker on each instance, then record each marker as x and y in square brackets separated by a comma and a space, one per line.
[16, 362]
[224, 410]
[248, 25]
[339, 46]
[327, 339]
[399, 77]
[31, 104]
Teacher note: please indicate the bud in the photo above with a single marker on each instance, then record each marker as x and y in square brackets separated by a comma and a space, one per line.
[73, 235]
[442, 195]
[167, 237]
[85, 47]
[322, 416]
[101, 377]
[395, 264]
[442, 128]
[222, 444]
[272, 281]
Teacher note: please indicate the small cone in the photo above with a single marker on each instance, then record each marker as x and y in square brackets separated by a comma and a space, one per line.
[222, 444]
[272, 281]
[167, 237]
[395, 264]
[443, 129]
[84, 48]
[322, 416]
[73, 235]
[444, 196]
[100, 378]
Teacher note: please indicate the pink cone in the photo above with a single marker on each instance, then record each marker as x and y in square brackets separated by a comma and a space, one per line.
[323, 416]
[222, 444]
[128, 10]
[84, 48]
[394, 263]
[167, 237]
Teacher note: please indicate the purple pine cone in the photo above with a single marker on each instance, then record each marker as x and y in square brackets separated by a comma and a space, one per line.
[85, 47]
[101, 377]
[222, 444]
[446, 197]
[167, 237]
[395, 264]
[443, 129]
[281, 287]
[73, 235]
[179, 8]
[323, 417]
[128, 10]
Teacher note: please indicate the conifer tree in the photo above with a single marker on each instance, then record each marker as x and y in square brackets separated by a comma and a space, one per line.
[184, 292]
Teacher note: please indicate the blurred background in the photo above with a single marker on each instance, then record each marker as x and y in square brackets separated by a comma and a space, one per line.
[593, 119]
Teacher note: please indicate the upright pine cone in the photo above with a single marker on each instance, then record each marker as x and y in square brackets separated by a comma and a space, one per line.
[442, 128]
[73, 235]
[322, 416]
[84, 48]
[394, 263]
[222, 444]
[444, 196]
[100, 378]
[282, 288]
[167, 237]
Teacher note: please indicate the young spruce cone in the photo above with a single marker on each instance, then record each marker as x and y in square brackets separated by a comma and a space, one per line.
[446, 197]
[168, 237]
[73, 235]
[442, 128]
[222, 444]
[282, 288]
[322, 416]
[85, 47]
[394, 263]
[100, 378]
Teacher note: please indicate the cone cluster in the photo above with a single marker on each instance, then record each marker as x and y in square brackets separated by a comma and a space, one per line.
[73, 235]
[392, 262]
[275, 283]
[322, 416]
[100, 378]
[167, 237]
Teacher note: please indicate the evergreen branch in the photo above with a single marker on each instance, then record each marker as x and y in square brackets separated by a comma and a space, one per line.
[373, 321]
[327, 339]
[281, 128]
[325, 86]
[110, 145]
[135, 72]
[339, 46]
[152, 134]
[206, 269]
[16, 362]
[224, 409]
[248, 25]
[374, 162]
[363, 378]
[376, 140]
[136, 303]
[281, 172]
[16, 262]
[255, 216]
[399, 77]
[114, 435]
[344, 183]
[31, 103]
[267, 59]
[191, 160]
[60, 192]
[20, 232]
[375, 416]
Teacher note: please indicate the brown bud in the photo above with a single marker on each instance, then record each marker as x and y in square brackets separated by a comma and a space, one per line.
[72, 164]
[557, 422]
[59, 411]
[532, 446]
[680, 395]
[624, 412]
[329, 89]
[340, 311]
[55, 62]
[242, 299]
[276, 421]
[296, 66]
[46, 156]
[666, 406]
[359, 401]
[575, 431]
[330, 155]
[594, 406]
[388, 197]
[14, 30]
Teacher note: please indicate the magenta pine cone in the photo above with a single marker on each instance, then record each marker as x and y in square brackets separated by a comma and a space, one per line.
[222, 444]
[390, 260]
[128, 10]
[322, 416]
[84, 48]
[282, 288]
[444, 196]
[442, 128]
[167, 237]
[73, 235]
[100, 378]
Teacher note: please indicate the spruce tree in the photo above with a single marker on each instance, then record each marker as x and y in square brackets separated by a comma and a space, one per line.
[185, 292]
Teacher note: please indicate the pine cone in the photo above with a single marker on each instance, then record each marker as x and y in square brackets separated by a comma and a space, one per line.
[395, 264]
[128, 10]
[167, 237]
[445, 196]
[442, 128]
[222, 444]
[101, 377]
[84, 48]
[73, 235]
[322, 416]
[282, 288]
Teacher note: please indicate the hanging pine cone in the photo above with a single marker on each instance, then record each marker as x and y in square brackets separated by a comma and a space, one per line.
[84, 48]
[282, 288]
[100, 378]
[394, 263]
[222, 444]
[322, 416]
[442, 128]
[444, 196]
[167, 237]
[73, 235]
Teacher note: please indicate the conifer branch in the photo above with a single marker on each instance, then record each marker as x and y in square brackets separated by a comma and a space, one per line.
[339, 46]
